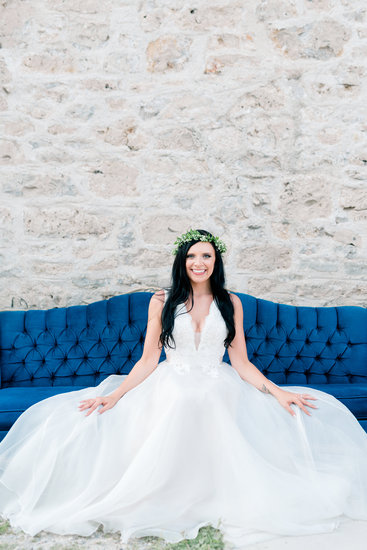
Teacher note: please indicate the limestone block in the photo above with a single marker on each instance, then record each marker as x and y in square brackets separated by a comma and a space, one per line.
[164, 229]
[322, 5]
[281, 230]
[87, 34]
[122, 63]
[354, 201]
[124, 132]
[226, 140]
[13, 19]
[116, 103]
[48, 269]
[321, 39]
[80, 111]
[11, 152]
[270, 98]
[357, 269]
[111, 261]
[103, 85]
[150, 259]
[264, 258]
[210, 17]
[3, 103]
[81, 6]
[224, 40]
[62, 222]
[47, 63]
[167, 53]
[175, 164]
[268, 10]
[186, 139]
[306, 197]
[153, 107]
[7, 227]
[320, 263]
[56, 129]
[113, 178]
[21, 183]
[16, 126]
[5, 75]
[217, 64]
[348, 236]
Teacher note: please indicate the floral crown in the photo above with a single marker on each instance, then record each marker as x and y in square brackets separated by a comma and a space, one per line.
[194, 235]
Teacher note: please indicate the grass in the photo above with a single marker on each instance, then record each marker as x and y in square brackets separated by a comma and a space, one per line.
[208, 538]
[4, 527]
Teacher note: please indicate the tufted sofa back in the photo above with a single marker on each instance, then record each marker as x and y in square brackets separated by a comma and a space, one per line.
[73, 346]
[81, 345]
[300, 345]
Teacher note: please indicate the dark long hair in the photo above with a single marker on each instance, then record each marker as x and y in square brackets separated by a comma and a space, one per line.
[181, 289]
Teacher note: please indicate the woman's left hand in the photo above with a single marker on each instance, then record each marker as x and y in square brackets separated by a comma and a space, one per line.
[286, 398]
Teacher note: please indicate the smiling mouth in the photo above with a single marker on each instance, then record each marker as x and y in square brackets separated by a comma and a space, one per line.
[198, 271]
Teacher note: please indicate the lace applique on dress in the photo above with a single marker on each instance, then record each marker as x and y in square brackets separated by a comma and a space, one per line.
[203, 350]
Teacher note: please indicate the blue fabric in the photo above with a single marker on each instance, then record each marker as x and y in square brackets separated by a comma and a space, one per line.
[44, 352]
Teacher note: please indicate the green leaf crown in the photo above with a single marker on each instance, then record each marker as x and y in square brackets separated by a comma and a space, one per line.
[194, 235]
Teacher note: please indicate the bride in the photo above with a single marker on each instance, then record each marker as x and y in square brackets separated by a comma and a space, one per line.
[190, 441]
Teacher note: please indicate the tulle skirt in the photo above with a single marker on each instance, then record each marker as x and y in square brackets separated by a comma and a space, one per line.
[180, 451]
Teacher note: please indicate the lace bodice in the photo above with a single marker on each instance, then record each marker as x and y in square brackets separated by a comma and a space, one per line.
[207, 355]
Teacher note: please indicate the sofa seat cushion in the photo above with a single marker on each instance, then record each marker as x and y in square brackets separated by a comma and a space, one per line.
[353, 396]
[14, 401]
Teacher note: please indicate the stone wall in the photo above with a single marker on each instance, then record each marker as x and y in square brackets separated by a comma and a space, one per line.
[126, 123]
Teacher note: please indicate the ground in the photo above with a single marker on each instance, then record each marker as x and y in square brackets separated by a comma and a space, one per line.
[11, 539]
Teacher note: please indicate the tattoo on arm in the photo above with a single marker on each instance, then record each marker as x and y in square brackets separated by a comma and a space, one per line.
[265, 389]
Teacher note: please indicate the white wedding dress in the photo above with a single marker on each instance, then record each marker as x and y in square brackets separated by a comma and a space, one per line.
[191, 445]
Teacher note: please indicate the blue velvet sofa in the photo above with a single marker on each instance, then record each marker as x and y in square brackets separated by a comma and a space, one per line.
[46, 352]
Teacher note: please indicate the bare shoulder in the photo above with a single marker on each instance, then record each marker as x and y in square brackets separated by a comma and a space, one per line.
[156, 305]
[237, 305]
[235, 300]
[157, 300]
[159, 295]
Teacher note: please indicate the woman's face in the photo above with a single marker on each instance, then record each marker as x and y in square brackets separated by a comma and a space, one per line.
[200, 259]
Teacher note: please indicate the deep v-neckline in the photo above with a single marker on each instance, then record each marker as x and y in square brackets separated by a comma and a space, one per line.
[198, 331]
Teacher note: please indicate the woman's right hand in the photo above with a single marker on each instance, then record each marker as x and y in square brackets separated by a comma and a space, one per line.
[107, 402]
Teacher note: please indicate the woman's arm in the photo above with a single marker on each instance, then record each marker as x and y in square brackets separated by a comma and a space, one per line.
[151, 351]
[250, 373]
